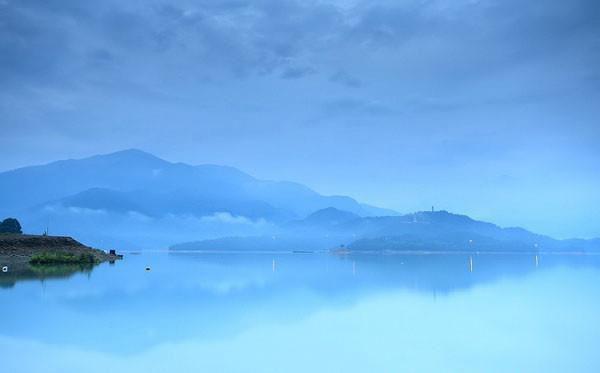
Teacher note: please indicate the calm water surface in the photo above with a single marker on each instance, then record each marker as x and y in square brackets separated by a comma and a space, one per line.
[308, 313]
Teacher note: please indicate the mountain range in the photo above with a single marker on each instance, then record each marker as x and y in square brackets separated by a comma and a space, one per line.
[115, 198]
[425, 231]
[134, 200]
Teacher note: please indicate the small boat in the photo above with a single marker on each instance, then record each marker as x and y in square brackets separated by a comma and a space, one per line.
[342, 250]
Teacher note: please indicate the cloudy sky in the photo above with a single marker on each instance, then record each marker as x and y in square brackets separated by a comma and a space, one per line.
[484, 107]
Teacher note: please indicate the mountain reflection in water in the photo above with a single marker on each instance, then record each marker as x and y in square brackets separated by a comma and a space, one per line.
[302, 303]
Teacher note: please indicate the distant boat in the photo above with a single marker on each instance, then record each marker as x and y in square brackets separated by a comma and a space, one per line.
[342, 250]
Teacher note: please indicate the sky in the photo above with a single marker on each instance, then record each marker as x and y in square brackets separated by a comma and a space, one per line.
[484, 107]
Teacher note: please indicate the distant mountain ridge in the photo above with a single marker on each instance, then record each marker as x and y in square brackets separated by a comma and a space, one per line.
[425, 231]
[117, 178]
[121, 189]
[326, 217]
[133, 199]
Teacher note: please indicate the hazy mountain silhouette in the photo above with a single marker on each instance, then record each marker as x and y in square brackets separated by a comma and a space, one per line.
[327, 217]
[124, 190]
[134, 199]
[132, 180]
[422, 231]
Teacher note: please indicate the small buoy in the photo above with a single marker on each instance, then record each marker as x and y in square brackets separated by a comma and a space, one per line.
[5, 269]
[147, 268]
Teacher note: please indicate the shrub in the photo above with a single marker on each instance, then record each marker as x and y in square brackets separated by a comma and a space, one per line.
[10, 225]
[60, 257]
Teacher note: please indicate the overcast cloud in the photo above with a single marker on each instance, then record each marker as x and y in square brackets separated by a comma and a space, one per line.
[485, 107]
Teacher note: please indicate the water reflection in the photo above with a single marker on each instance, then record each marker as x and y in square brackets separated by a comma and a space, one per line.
[302, 304]
[13, 274]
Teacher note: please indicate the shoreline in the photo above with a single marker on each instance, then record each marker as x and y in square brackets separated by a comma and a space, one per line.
[17, 250]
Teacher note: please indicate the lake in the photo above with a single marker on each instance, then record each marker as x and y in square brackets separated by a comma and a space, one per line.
[292, 312]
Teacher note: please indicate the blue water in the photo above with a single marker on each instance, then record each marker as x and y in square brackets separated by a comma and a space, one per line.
[308, 313]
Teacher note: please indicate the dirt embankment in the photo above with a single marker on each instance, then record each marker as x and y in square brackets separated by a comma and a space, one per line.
[17, 249]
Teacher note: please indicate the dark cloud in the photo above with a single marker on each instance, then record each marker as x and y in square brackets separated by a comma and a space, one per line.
[354, 107]
[247, 37]
[427, 50]
[346, 79]
[297, 72]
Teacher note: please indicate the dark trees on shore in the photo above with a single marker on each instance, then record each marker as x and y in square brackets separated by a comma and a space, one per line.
[10, 225]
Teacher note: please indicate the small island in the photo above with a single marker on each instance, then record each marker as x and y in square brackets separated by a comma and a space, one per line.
[23, 252]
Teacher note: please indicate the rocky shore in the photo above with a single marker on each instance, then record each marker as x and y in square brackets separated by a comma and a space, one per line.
[17, 250]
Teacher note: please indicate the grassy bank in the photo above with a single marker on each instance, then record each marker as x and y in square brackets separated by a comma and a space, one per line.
[60, 257]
